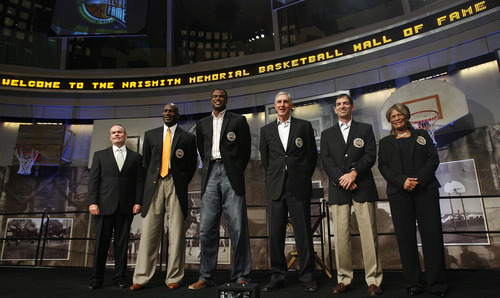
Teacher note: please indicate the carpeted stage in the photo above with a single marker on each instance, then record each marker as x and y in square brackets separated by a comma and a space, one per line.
[72, 282]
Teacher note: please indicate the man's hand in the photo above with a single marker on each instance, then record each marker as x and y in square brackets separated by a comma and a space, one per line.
[136, 209]
[347, 180]
[353, 186]
[410, 184]
[94, 209]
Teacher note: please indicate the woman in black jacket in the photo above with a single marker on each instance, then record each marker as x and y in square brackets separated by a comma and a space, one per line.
[408, 161]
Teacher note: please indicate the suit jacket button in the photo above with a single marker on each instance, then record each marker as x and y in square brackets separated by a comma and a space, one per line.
[346, 155]
[153, 181]
[286, 155]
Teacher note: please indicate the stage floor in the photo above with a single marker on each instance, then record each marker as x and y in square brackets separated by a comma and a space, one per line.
[72, 282]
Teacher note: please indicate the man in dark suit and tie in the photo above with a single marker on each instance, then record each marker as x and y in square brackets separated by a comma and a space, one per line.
[223, 141]
[288, 152]
[170, 161]
[115, 194]
[348, 152]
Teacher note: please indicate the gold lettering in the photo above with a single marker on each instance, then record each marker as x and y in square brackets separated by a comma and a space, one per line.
[454, 16]
[441, 20]
[467, 11]
[480, 6]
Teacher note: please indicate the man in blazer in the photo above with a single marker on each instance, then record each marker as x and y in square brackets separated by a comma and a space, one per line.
[115, 194]
[348, 152]
[223, 141]
[288, 152]
[170, 161]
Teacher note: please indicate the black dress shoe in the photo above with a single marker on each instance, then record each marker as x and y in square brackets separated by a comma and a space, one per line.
[414, 291]
[273, 285]
[122, 284]
[440, 293]
[310, 286]
[94, 284]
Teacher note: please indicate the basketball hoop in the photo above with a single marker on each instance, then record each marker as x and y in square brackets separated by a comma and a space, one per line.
[425, 120]
[27, 156]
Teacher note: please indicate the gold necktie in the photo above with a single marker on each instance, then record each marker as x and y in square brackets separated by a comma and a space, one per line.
[165, 157]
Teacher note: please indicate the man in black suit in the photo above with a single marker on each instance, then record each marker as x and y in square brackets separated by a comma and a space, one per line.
[115, 194]
[348, 152]
[223, 141]
[170, 161]
[288, 152]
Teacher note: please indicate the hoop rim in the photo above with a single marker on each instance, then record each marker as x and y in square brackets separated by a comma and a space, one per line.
[26, 146]
[39, 156]
[428, 119]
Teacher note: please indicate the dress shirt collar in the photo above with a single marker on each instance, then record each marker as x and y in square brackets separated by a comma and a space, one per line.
[172, 129]
[124, 148]
[287, 122]
[220, 115]
[124, 151]
[342, 124]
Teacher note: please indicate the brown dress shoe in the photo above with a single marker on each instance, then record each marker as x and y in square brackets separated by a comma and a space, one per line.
[340, 288]
[136, 287]
[373, 290]
[198, 285]
[173, 285]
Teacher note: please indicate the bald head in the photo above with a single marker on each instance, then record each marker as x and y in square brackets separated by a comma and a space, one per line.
[170, 114]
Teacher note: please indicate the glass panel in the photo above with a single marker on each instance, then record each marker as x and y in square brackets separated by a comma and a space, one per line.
[416, 4]
[315, 19]
[215, 29]
[123, 52]
[23, 35]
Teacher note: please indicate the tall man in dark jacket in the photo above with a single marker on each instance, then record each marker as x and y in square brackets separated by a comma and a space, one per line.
[348, 152]
[288, 152]
[115, 194]
[223, 141]
[170, 160]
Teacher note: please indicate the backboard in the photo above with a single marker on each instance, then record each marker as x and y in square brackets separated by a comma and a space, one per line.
[435, 95]
[48, 138]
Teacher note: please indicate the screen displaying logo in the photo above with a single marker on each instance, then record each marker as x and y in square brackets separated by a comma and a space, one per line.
[103, 11]
[100, 17]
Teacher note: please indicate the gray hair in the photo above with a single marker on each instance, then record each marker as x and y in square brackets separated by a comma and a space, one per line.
[284, 93]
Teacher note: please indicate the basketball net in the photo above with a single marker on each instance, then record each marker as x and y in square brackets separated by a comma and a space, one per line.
[425, 120]
[27, 156]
